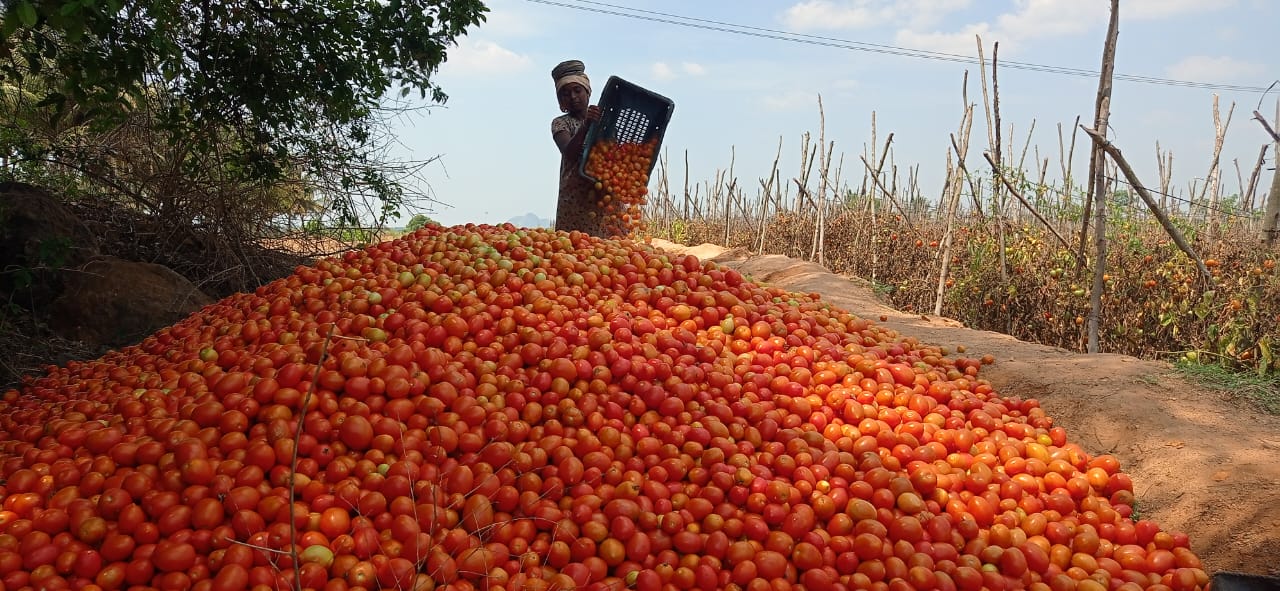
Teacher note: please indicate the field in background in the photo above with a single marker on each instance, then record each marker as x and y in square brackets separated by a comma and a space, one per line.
[1009, 256]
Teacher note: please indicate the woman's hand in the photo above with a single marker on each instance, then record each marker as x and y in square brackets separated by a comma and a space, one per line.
[593, 114]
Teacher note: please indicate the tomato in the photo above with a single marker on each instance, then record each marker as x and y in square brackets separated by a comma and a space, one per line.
[171, 557]
[335, 521]
[231, 577]
[490, 408]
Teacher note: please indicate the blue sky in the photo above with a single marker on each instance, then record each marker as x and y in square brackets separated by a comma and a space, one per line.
[745, 93]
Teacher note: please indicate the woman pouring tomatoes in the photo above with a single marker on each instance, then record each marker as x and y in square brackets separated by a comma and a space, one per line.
[578, 207]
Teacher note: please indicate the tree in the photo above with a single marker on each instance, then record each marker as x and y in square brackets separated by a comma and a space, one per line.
[289, 77]
[418, 221]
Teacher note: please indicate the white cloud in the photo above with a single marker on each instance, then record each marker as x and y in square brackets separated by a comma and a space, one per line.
[825, 14]
[1204, 68]
[662, 71]
[1051, 18]
[485, 58]
[666, 72]
[816, 15]
[1033, 20]
[791, 100]
[1158, 9]
[960, 43]
[1030, 20]
[509, 20]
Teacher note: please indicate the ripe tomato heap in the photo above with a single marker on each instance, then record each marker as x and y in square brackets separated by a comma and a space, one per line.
[485, 408]
[622, 173]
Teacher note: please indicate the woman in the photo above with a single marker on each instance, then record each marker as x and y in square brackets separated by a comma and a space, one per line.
[578, 207]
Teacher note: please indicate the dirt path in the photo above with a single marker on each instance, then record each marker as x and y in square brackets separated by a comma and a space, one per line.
[1200, 464]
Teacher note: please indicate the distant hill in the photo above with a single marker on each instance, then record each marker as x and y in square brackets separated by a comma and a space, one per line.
[530, 220]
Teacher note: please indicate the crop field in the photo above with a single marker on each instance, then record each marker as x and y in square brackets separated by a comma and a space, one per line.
[1005, 250]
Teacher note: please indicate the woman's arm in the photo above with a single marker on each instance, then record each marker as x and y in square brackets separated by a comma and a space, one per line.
[571, 145]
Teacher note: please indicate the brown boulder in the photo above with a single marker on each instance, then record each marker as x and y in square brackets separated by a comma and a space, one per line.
[114, 302]
[38, 237]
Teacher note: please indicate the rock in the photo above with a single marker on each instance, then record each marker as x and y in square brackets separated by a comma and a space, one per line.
[38, 237]
[114, 302]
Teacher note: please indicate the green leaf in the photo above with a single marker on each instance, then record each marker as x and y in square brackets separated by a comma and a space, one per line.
[8, 27]
[53, 98]
[26, 14]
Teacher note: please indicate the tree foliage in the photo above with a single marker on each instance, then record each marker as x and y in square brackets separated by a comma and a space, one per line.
[285, 79]
[418, 221]
[283, 67]
[220, 126]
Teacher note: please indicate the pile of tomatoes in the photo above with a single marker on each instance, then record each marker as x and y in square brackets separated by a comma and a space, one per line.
[621, 171]
[488, 408]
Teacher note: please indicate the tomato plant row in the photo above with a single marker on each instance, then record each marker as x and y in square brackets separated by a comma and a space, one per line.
[1153, 301]
[491, 408]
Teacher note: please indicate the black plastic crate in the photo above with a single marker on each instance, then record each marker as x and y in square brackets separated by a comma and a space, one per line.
[1229, 581]
[629, 114]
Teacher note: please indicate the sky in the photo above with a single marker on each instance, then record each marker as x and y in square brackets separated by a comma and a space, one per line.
[738, 95]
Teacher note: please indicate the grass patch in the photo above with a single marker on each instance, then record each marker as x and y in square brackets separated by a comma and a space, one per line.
[1261, 390]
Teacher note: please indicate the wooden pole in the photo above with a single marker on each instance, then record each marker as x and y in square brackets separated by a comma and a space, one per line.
[1111, 150]
[992, 109]
[824, 164]
[1165, 166]
[1098, 178]
[768, 189]
[1065, 160]
[728, 198]
[1212, 183]
[1251, 190]
[1271, 219]
[954, 188]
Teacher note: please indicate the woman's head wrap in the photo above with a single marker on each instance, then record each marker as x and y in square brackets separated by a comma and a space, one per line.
[570, 72]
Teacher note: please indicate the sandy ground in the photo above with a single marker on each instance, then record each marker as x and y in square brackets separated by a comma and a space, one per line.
[1200, 463]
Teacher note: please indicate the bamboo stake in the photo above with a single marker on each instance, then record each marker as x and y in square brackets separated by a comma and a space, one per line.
[1267, 126]
[913, 183]
[955, 188]
[1271, 219]
[893, 180]
[824, 153]
[1165, 170]
[824, 164]
[1111, 150]
[764, 207]
[1252, 189]
[873, 231]
[1065, 156]
[997, 196]
[1041, 187]
[973, 188]
[806, 158]
[992, 110]
[1212, 184]
[686, 185]
[1239, 183]
[1097, 168]
[733, 156]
